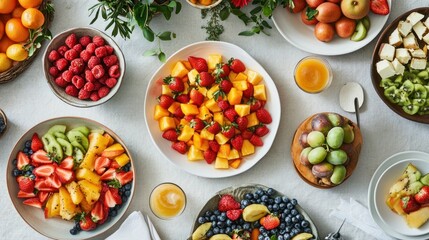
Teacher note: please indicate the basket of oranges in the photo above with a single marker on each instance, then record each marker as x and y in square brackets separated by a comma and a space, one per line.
[23, 27]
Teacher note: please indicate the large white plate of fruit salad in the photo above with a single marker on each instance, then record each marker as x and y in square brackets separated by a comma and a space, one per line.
[46, 185]
[387, 175]
[302, 36]
[197, 165]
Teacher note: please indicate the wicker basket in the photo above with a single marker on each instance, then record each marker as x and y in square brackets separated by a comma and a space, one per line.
[20, 67]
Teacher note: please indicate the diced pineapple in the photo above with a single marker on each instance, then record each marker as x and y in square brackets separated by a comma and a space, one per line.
[189, 109]
[173, 107]
[97, 144]
[235, 163]
[187, 65]
[192, 77]
[197, 140]
[212, 90]
[186, 134]
[203, 91]
[90, 190]
[233, 154]
[221, 139]
[252, 120]
[183, 122]
[259, 92]
[218, 117]
[232, 76]
[213, 60]
[204, 113]
[253, 77]
[186, 91]
[160, 112]
[221, 163]
[247, 148]
[224, 151]
[194, 154]
[417, 218]
[206, 134]
[204, 144]
[190, 143]
[75, 192]
[52, 208]
[242, 109]
[67, 207]
[166, 123]
[240, 77]
[111, 140]
[179, 70]
[122, 159]
[240, 85]
[234, 96]
[84, 173]
[211, 104]
[165, 90]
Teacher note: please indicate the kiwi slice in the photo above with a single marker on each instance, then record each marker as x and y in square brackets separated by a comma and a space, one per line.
[360, 32]
[77, 145]
[84, 130]
[74, 135]
[67, 147]
[419, 102]
[60, 135]
[391, 94]
[53, 148]
[78, 155]
[411, 109]
[407, 87]
[57, 128]
[366, 22]
[425, 179]
[100, 131]
[420, 91]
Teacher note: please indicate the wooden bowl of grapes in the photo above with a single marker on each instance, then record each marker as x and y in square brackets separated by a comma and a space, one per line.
[325, 149]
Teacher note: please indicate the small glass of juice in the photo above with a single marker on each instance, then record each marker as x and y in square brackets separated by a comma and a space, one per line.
[167, 200]
[313, 74]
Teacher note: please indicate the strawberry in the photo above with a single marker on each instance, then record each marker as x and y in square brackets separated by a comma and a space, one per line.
[23, 160]
[205, 79]
[223, 104]
[112, 198]
[222, 71]
[183, 98]
[115, 165]
[256, 141]
[214, 127]
[34, 202]
[237, 142]
[26, 184]
[263, 116]
[98, 213]
[233, 214]
[422, 196]
[175, 84]
[196, 97]
[247, 134]
[255, 104]
[213, 145]
[181, 147]
[261, 130]
[409, 204]
[189, 118]
[380, 7]
[43, 185]
[242, 123]
[209, 156]
[86, 223]
[67, 163]
[165, 101]
[125, 177]
[228, 131]
[227, 202]
[170, 135]
[178, 113]
[53, 181]
[43, 196]
[236, 65]
[199, 64]
[225, 86]
[65, 175]
[40, 157]
[36, 143]
[248, 93]
[44, 170]
[197, 124]
[231, 114]
[110, 174]
[270, 221]
[22, 194]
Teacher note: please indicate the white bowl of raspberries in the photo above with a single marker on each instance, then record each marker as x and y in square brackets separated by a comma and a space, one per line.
[84, 67]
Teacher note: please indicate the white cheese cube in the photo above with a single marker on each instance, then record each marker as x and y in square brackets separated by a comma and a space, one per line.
[404, 28]
[426, 38]
[410, 41]
[403, 55]
[387, 52]
[395, 38]
[414, 17]
[427, 22]
[418, 53]
[419, 29]
[385, 69]
[399, 68]
[418, 63]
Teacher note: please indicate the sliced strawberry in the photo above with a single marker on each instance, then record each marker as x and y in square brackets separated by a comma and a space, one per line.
[23, 160]
[380, 7]
[53, 181]
[22, 194]
[111, 198]
[65, 175]
[115, 165]
[44, 170]
[40, 157]
[86, 223]
[101, 164]
[124, 177]
[43, 196]
[26, 184]
[110, 174]
[98, 213]
[36, 143]
[34, 202]
[67, 163]
[42, 185]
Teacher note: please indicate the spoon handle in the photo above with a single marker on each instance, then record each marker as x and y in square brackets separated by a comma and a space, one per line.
[357, 111]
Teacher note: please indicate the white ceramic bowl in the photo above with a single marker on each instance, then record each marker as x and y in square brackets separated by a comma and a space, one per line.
[57, 228]
[59, 40]
[203, 49]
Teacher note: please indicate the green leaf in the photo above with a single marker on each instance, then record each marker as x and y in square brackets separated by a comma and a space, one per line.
[267, 11]
[103, 13]
[224, 13]
[166, 12]
[311, 13]
[150, 52]
[148, 34]
[172, 4]
[266, 24]
[165, 36]
[178, 7]
[256, 29]
[161, 56]
[246, 33]
[95, 17]
[256, 10]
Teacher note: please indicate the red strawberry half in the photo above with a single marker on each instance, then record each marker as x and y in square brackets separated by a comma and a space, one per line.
[199, 64]
[36, 143]
[380, 7]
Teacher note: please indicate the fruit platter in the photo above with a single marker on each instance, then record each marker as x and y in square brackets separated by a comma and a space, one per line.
[252, 212]
[70, 178]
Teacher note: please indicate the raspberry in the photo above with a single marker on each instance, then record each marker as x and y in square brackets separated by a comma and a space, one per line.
[85, 55]
[103, 79]
[53, 71]
[71, 40]
[89, 86]
[78, 47]
[89, 76]
[61, 64]
[114, 71]
[110, 60]
[61, 82]
[98, 71]
[83, 94]
[111, 82]
[67, 75]
[99, 41]
[103, 91]
[85, 40]
[77, 65]
[94, 96]
[93, 61]
[71, 90]
[91, 48]
[78, 81]
[101, 52]
[54, 55]
[71, 54]
[109, 49]
[97, 86]
[62, 50]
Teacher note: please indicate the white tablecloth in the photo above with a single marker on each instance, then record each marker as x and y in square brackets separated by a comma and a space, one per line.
[28, 100]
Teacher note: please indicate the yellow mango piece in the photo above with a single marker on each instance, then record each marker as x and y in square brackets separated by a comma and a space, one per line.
[242, 109]
[252, 120]
[186, 91]
[221, 163]
[204, 113]
[192, 77]
[111, 140]
[234, 96]
[203, 91]
[221, 139]
[84, 173]
[179, 70]
[173, 107]
[259, 92]
[213, 59]
[67, 207]
[232, 76]
[183, 122]
[52, 207]
[97, 144]
[86, 206]
[122, 159]
[186, 134]
[240, 85]
[235, 163]
[160, 112]
[233, 154]
[247, 148]
[206, 134]
[166, 123]
[253, 77]
[194, 154]
[165, 90]
[90, 190]
[198, 141]
[212, 90]
[189, 109]
[211, 104]
[187, 65]
[204, 144]
[75, 192]
[224, 151]
[240, 77]
[218, 117]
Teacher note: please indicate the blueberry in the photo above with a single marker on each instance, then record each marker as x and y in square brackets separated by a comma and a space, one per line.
[270, 208]
[258, 200]
[207, 214]
[128, 186]
[248, 196]
[124, 198]
[28, 144]
[25, 150]
[239, 227]
[30, 152]
[286, 236]
[240, 221]
[233, 226]
[260, 237]
[16, 172]
[259, 192]
[216, 212]
[288, 220]
[286, 211]
[270, 191]
[213, 218]
[222, 230]
[28, 173]
[264, 198]
[299, 217]
[214, 223]
[77, 226]
[294, 201]
[244, 203]
[246, 226]
[127, 193]
[228, 230]
[280, 238]
[288, 229]
[307, 230]
[113, 213]
[255, 195]
[209, 233]
[294, 212]
[285, 199]
[216, 230]
[282, 226]
[73, 231]
[297, 226]
[14, 162]
[262, 230]
[267, 238]
[294, 220]
[30, 168]
[274, 231]
[32, 176]
[275, 207]
[278, 199]
[221, 218]
[289, 206]
[201, 220]
[295, 231]
[229, 222]
[221, 224]
[223, 214]
[256, 224]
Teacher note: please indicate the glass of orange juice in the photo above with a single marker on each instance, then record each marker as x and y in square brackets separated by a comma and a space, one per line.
[313, 74]
[167, 200]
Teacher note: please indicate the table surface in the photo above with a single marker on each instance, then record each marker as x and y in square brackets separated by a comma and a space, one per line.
[28, 100]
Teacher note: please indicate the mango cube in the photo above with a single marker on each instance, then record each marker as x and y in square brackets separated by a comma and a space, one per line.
[212, 90]
[240, 77]
[213, 59]
[221, 163]
[235, 163]
[194, 154]
[218, 117]
[242, 109]
[183, 122]
[253, 77]
[247, 148]
[187, 65]
[192, 77]
[259, 92]
[203, 91]
[189, 109]
[197, 140]
[75, 192]
[206, 134]
[111, 140]
[224, 151]
[179, 70]
[211, 104]
[204, 113]
[204, 144]
[84, 173]
[252, 120]
[165, 90]
[233, 154]
[122, 159]
[232, 76]
[160, 112]
[166, 123]
[186, 134]
[90, 190]
[173, 107]
[221, 139]
[234, 96]
[186, 91]
[67, 207]
[240, 85]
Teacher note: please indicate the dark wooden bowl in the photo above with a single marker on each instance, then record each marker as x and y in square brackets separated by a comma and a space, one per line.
[376, 79]
[305, 171]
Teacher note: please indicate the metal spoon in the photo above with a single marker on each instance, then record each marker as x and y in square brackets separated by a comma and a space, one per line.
[336, 235]
[357, 111]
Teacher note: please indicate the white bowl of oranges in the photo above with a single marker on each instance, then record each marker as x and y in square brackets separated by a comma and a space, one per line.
[212, 110]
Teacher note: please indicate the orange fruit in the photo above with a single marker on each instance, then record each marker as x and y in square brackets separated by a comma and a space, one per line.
[17, 52]
[7, 6]
[17, 12]
[1, 29]
[30, 3]
[16, 31]
[32, 18]
[5, 17]
[5, 42]
[5, 62]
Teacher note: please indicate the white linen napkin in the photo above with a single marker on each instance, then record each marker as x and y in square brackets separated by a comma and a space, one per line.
[359, 216]
[133, 228]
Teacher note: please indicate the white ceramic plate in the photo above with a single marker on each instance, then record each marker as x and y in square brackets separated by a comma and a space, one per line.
[301, 36]
[203, 49]
[384, 177]
[57, 228]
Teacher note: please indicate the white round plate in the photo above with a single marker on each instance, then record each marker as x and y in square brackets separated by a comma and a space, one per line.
[203, 49]
[384, 177]
[301, 36]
